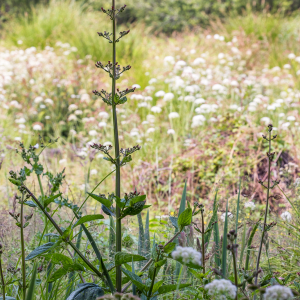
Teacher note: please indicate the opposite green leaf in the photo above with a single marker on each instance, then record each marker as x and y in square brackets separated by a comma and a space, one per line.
[104, 201]
[39, 250]
[88, 218]
[185, 218]
[122, 258]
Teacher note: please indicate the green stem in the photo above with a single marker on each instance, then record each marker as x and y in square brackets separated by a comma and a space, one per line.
[61, 234]
[203, 242]
[2, 279]
[117, 154]
[87, 197]
[151, 260]
[235, 273]
[23, 250]
[153, 280]
[266, 211]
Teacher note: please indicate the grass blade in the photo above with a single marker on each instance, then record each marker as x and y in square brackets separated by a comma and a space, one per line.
[217, 243]
[224, 247]
[141, 241]
[238, 208]
[147, 236]
[213, 219]
[30, 292]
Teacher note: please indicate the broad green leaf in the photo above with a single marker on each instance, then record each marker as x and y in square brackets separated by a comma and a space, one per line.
[171, 287]
[59, 258]
[146, 206]
[122, 258]
[133, 210]
[58, 274]
[30, 203]
[104, 201]
[38, 168]
[137, 199]
[51, 199]
[88, 218]
[86, 291]
[32, 284]
[156, 286]
[224, 244]
[40, 250]
[120, 202]
[174, 221]
[135, 279]
[169, 248]
[160, 263]
[15, 182]
[185, 218]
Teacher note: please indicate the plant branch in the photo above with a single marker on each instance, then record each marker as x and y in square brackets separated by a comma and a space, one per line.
[61, 234]
[150, 261]
[23, 249]
[267, 205]
[2, 278]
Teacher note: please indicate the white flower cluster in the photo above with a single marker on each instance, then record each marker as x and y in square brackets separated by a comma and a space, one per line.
[286, 216]
[278, 292]
[187, 255]
[250, 204]
[221, 289]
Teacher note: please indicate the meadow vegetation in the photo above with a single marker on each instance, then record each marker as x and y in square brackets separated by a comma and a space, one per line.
[203, 94]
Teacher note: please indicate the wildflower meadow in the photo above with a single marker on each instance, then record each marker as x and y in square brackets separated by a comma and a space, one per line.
[149, 150]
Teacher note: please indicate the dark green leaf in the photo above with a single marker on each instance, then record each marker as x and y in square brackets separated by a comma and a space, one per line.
[15, 182]
[51, 199]
[38, 168]
[30, 291]
[169, 248]
[58, 274]
[174, 221]
[160, 263]
[59, 258]
[135, 279]
[104, 201]
[86, 291]
[185, 218]
[88, 218]
[156, 286]
[171, 287]
[122, 258]
[133, 210]
[39, 250]
[30, 203]
[137, 199]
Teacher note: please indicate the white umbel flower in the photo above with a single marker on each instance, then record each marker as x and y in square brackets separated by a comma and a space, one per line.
[187, 255]
[221, 289]
[250, 204]
[286, 216]
[278, 292]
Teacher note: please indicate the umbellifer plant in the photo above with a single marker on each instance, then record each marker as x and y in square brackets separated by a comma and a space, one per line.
[114, 205]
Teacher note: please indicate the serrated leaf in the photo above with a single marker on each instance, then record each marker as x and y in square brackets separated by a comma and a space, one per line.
[160, 263]
[174, 221]
[169, 248]
[104, 201]
[15, 182]
[156, 286]
[58, 274]
[40, 250]
[59, 258]
[51, 199]
[171, 287]
[30, 203]
[135, 279]
[86, 291]
[133, 210]
[122, 258]
[185, 218]
[137, 199]
[88, 218]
